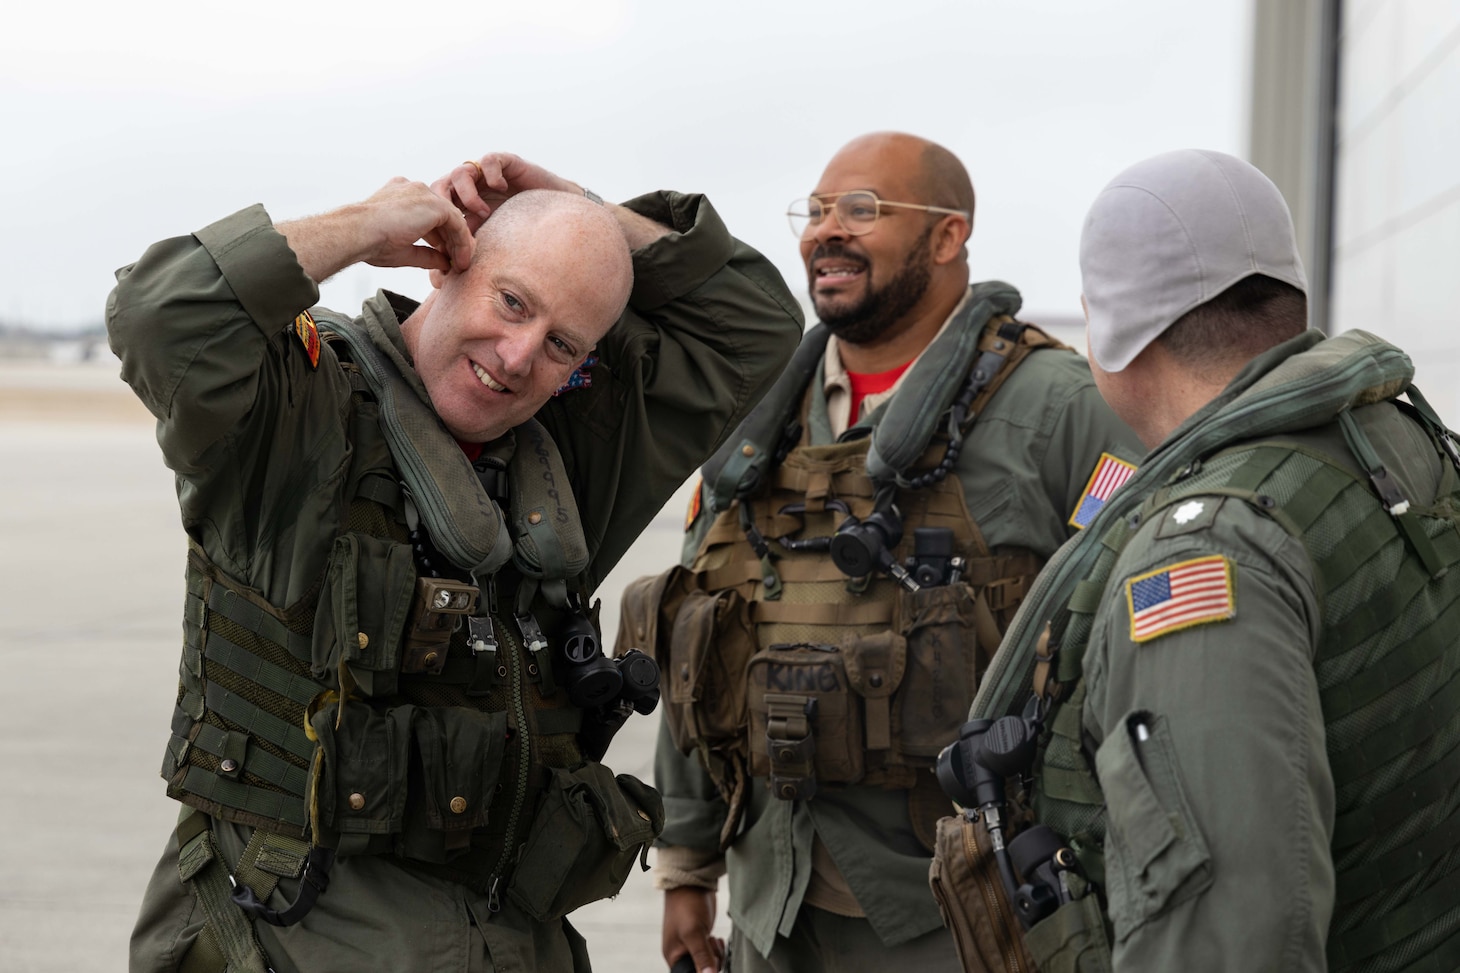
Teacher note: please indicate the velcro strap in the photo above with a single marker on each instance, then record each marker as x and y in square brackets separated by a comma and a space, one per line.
[245, 797]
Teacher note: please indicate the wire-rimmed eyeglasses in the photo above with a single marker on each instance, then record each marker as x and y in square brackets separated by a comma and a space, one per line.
[856, 211]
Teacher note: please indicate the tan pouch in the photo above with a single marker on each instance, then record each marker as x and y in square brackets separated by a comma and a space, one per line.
[944, 662]
[710, 644]
[965, 880]
[805, 721]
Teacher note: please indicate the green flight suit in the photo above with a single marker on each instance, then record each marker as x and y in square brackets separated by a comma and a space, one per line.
[1205, 726]
[258, 439]
[1023, 471]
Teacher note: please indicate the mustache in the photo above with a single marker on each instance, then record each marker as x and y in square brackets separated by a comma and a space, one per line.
[838, 250]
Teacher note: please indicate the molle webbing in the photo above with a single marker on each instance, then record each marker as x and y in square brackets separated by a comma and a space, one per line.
[238, 749]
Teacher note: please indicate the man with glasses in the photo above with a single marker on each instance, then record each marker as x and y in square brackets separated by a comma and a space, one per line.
[855, 551]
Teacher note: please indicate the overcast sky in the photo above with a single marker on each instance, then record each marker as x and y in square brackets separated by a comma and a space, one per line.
[122, 124]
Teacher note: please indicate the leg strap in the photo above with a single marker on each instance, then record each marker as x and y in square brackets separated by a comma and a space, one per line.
[228, 941]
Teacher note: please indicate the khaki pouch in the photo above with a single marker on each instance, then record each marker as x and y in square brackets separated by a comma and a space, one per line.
[711, 642]
[1072, 939]
[966, 883]
[805, 720]
[945, 659]
[589, 829]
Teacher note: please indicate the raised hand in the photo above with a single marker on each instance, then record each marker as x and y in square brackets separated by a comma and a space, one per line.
[476, 187]
[386, 230]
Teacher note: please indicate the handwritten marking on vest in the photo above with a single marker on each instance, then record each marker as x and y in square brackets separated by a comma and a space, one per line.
[784, 678]
[539, 448]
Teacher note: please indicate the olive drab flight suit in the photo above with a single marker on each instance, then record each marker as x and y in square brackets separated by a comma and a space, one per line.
[804, 707]
[1249, 672]
[371, 619]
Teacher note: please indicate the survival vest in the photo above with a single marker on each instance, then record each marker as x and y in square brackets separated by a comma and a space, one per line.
[780, 665]
[403, 710]
[1388, 660]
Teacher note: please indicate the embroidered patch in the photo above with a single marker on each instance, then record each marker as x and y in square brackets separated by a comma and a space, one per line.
[693, 513]
[1190, 593]
[1107, 477]
[308, 337]
[582, 377]
[1188, 511]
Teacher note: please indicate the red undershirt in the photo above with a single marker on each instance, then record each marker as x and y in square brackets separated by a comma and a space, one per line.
[871, 383]
[472, 450]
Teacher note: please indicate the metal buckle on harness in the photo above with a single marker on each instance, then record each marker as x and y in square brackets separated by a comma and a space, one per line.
[791, 745]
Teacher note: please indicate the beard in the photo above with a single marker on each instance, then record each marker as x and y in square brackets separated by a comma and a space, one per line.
[863, 321]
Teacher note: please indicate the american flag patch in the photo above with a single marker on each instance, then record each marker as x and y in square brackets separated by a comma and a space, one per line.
[1180, 596]
[1109, 474]
[582, 377]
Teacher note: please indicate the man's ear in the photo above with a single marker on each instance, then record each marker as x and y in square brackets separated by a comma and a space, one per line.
[949, 238]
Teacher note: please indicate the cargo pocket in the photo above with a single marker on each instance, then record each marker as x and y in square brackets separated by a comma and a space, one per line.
[362, 613]
[711, 643]
[1072, 939]
[944, 663]
[358, 782]
[1155, 857]
[589, 830]
[805, 724]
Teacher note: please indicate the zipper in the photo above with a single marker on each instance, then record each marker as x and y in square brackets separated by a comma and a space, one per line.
[524, 753]
[999, 916]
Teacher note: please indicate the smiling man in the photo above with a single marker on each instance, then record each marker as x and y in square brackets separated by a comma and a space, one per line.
[387, 736]
[858, 547]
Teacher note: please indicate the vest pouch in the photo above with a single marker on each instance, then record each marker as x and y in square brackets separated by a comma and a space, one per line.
[1072, 939]
[970, 893]
[459, 754]
[358, 781]
[805, 721]
[944, 663]
[589, 830]
[875, 666]
[710, 645]
[368, 588]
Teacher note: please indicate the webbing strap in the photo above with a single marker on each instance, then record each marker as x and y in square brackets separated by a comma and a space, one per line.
[259, 762]
[260, 671]
[245, 797]
[236, 709]
[1358, 944]
[234, 607]
[201, 865]
[869, 613]
[1376, 614]
[1418, 652]
[1400, 863]
[1370, 819]
[1360, 544]
[1264, 460]
[1377, 749]
[380, 489]
[1322, 488]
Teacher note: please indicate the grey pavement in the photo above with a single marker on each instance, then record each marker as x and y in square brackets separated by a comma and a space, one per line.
[91, 591]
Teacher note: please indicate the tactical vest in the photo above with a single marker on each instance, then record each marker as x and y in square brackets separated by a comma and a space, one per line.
[1387, 668]
[395, 708]
[781, 666]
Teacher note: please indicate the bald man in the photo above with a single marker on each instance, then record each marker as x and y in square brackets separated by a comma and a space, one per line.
[855, 553]
[392, 704]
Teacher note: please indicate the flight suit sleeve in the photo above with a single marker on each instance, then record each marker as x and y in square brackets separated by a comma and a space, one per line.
[709, 326]
[1204, 711]
[204, 326]
[689, 848]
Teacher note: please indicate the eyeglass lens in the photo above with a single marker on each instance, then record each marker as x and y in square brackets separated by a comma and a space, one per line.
[856, 212]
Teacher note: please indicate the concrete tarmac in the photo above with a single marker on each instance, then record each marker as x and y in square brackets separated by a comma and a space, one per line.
[91, 593]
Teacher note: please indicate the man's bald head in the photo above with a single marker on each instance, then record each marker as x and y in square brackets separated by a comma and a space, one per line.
[934, 175]
[580, 237]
